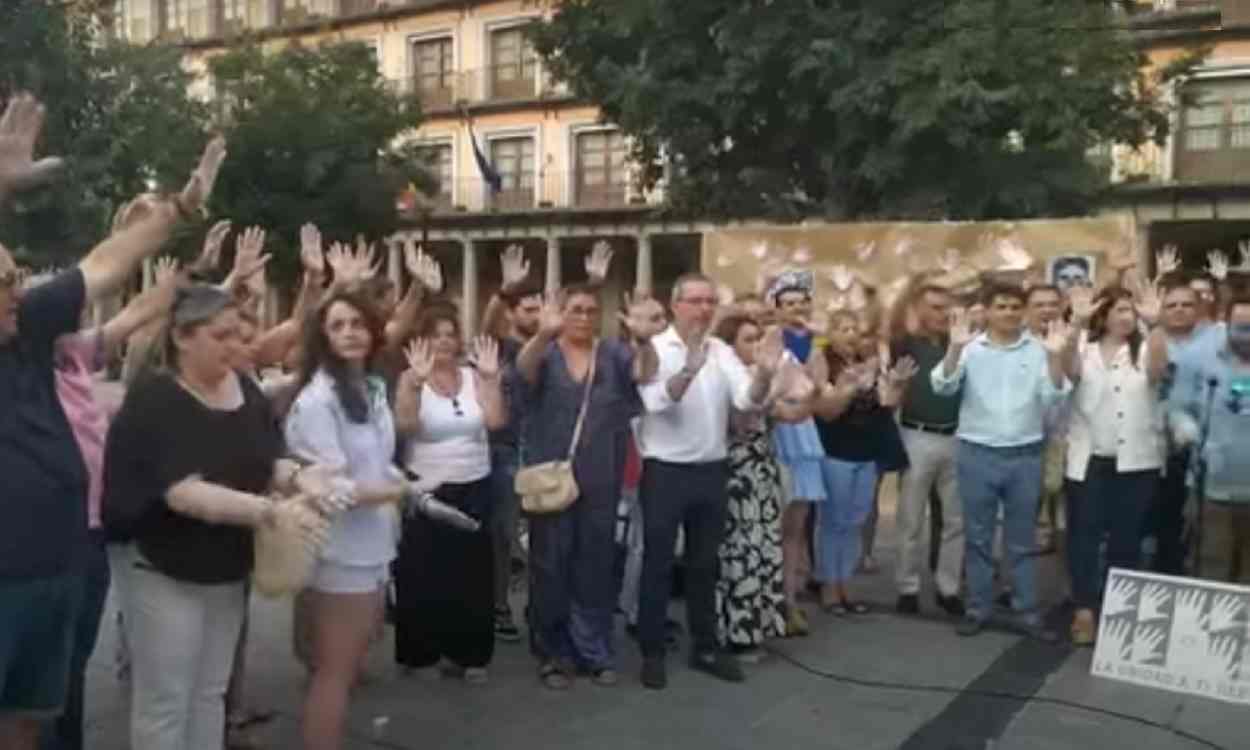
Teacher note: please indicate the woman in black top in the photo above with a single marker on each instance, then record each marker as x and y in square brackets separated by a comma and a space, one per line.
[190, 459]
[854, 420]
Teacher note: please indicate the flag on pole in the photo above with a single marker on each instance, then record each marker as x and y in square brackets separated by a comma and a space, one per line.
[488, 171]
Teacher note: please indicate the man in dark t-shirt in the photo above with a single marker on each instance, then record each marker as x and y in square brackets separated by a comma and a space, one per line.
[43, 506]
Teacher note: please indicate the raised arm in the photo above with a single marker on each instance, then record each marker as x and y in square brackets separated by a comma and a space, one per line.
[529, 361]
[644, 320]
[489, 392]
[427, 278]
[273, 346]
[514, 269]
[147, 308]
[111, 262]
[411, 383]
[19, 130]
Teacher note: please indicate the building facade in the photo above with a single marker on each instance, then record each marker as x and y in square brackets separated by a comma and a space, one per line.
[1194, 190]
[565, 178]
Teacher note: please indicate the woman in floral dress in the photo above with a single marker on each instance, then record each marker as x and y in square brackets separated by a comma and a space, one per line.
[750, 600]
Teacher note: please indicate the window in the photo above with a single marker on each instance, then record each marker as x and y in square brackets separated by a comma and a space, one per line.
[601, 168]
[238, 15]
[514, 66]
[355, 7]
[296, 11]
[433, 72]
[513, 159]
[185, 18]
[1214, 142]
[439, 163]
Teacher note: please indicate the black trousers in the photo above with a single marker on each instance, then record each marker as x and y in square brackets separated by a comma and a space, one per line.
[691, 497]
[1167, 517]
[444, 587]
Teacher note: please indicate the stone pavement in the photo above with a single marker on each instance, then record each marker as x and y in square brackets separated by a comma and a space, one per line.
[780, 707]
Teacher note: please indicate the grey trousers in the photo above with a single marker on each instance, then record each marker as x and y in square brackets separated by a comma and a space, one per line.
[932, 466]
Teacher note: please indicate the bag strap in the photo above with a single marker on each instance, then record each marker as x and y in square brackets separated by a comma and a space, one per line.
[581, 415]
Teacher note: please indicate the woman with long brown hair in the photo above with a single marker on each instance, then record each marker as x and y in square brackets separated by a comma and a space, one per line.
[1115, 445]
[445, 604]
[342, 420]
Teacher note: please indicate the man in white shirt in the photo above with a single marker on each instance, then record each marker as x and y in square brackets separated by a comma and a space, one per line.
[683, 436]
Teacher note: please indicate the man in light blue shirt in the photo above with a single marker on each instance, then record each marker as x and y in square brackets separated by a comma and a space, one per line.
[1009, 380]
[1215, 399]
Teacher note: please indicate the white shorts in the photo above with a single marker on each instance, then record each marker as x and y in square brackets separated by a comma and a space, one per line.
[337, 578]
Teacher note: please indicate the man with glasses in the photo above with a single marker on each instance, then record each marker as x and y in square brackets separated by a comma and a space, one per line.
[682, 439]
[43, 506]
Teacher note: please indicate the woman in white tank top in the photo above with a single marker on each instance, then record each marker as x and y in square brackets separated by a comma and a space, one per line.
[444, 576]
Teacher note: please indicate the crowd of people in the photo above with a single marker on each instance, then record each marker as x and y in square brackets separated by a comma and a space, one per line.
[377, 438]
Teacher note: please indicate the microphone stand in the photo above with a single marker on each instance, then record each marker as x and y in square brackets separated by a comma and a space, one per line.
[1200, 471]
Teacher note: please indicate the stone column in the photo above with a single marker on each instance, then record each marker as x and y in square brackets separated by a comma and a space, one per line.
[644, 283]
[553, 264]
[468, 305]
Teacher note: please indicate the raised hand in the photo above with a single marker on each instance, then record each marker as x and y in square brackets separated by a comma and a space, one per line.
[1146, 642]
[1217, 264]
[1119, 597]
[486, 357]
[864, 251]
[644, 317]
[696, 352]
[19, 130]
[1167, 260]
[1081, 298]
[1013, 255]
[515, 267]
[961, 328]
[248, 258]
[1115, 637]
[903, 371]
[210, 255]
[770, 350]
[195, 194]
[311, 256]
[1057, 335]
[842, 277]
[1243, 250]
[1149, 302]
[365, 259]
[165, 271]
[1153, 599]
[420, 359]
[551, 322]
[598, 262]
[724, 295]
[424, 268]
[1224, 611]
[950, 260]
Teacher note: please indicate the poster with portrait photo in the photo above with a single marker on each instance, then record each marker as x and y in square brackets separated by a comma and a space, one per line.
[1067, 271]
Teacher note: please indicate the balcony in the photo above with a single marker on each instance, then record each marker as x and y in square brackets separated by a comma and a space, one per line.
[550, 190]
[480, 86]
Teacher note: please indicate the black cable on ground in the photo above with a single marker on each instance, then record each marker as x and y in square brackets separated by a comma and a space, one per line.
[993, 695]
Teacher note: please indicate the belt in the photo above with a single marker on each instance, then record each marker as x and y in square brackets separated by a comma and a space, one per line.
[936, 429]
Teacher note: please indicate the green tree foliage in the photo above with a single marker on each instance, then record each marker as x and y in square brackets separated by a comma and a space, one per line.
[312, 136]
[854, 109]
[120, 115]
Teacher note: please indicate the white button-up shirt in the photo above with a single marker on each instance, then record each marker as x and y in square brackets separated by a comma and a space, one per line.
[1115, 413]
[695, 429]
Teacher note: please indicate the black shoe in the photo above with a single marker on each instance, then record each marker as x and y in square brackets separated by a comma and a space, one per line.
[719, 665]
[1037, 632]
[953, 605]
[654, 673]
[908, 604]
[969, 628]
[1003, 601]
[505, 629]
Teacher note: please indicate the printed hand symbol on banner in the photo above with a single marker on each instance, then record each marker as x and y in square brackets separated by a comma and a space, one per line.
[1223, 650]
[1146, 642]
[1119, 598]
[1115, 638]
[1188, 644]
[1224, 611]
[1154, 597]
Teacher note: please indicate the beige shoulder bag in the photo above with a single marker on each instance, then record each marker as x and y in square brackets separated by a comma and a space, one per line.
[550, 487]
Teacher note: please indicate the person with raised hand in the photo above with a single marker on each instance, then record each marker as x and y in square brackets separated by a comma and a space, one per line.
[43, 510]
[1115, 445]
[1009, 381]
[20, 126]
[444, 607]
[342, 422]
[190, 463]
[579, 393]
[683, 436]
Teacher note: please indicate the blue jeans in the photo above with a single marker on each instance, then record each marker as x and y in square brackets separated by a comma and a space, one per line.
[851, 492]
[66, 732]
[1108, 504]
[504, 460]
[990, 479]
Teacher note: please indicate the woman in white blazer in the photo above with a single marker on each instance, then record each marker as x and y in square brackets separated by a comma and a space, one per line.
[1115, 445]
